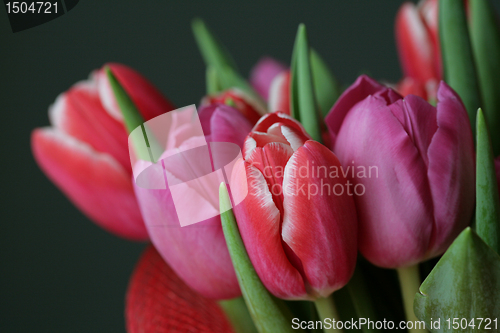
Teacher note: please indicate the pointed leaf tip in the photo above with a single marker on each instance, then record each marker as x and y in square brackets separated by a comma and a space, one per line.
[131, 114]
[303, 103]
[468, 265]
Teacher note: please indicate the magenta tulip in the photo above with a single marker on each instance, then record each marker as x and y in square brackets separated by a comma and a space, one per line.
[420, 193]
[85, 151]
[298, 222]
[198, 252]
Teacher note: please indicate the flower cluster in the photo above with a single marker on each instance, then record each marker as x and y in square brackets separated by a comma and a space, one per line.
[391, 172]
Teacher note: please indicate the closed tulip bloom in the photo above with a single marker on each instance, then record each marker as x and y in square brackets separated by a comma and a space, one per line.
[297, 225]
[85, 150]
[420, 194]
[198, 252]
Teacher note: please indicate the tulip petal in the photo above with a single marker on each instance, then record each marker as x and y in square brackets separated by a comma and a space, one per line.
[393, 190]
[80, 114]
[229, 125]
[264, 73]
[197, 253]
[318, 225]
[414, 44]
[359, 90]
[418, 118]
[279, 93]
[451, 170]
[259, 224]
[158, 301]
[93, 181]
[429, 12]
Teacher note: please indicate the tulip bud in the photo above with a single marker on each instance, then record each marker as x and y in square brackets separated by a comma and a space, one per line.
[420, 194]
[298, 221]
[85, 151]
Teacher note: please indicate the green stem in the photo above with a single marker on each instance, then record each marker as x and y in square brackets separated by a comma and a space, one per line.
[327, 309]
[409, 280]
[237, 313]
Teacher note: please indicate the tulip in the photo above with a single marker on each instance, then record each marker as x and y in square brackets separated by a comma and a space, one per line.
[417, 39]
[298, 224]
[419, 48]
[198, 252]
[263, 74]
[85, 151]
[159, 301]
[420, 194]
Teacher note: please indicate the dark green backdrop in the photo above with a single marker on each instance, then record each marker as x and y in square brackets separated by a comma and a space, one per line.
[58, 271]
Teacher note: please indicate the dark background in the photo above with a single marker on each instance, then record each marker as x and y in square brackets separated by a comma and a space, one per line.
[58, 271]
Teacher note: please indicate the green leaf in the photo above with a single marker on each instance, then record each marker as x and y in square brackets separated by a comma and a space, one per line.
[212, 81]
[487, 198]
[131, 114]
[303, 100]
[465, 283]
[269, 313]
[231, 79]
[458, 61]
[213, 52]
[145, 144]
[326, 87]
[485, 39]
[220, 64]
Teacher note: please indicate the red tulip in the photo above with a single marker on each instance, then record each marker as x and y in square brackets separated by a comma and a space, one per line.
[297, 226]
[418, 40]
[420, 193]
[159, 301]
[85, 151]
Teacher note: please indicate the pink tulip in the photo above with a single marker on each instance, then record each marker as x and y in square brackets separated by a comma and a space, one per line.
[298, 228]
[263, 74]
[421, 192]
[198, 252]
[85, 151]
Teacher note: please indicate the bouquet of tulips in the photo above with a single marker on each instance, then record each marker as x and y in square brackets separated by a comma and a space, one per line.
[403, 173]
